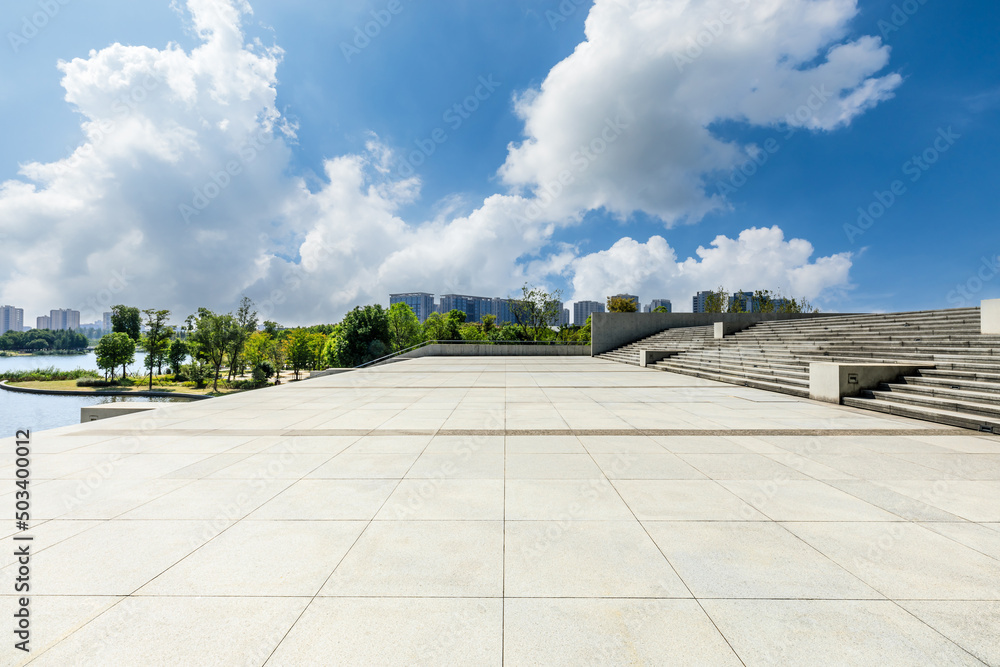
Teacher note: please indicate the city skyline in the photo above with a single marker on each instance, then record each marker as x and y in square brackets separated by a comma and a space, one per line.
[315, 167]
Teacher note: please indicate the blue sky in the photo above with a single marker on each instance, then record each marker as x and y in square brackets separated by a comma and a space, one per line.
[324, 219]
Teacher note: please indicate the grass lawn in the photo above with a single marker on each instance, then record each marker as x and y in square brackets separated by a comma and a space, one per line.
[70, 385]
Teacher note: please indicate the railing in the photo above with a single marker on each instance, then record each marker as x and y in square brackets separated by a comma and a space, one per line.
[464, 342]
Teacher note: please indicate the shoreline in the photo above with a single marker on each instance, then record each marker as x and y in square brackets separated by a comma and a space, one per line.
[111, 392]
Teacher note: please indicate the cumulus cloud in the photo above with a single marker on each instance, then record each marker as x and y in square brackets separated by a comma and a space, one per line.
[180, 195]
[626, 121]
[756, 259]
[170, 194]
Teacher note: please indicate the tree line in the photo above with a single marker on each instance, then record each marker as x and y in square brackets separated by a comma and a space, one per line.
[38, 340]
[231, 345]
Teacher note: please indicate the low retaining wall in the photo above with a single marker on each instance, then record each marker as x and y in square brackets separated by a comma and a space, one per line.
[831, 382]
[472, 350]
[650, 357]
[95, 412]
[612, 330]
[328, 371]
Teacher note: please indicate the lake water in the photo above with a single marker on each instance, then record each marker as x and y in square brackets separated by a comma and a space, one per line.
[39, 412]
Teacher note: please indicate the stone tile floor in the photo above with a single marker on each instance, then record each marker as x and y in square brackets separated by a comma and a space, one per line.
[509, 511]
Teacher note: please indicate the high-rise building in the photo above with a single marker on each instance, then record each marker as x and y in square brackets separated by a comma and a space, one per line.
[656, 303]
[583, 309]
[698, 301]
[106, 322]
[43, 322]
[630, 297]
[11, 319]
[474, 307]
[421, 303]
[564, 317]
[501, 310]
[64, 319]
[747, 303]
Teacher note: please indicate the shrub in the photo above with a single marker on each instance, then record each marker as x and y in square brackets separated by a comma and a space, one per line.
[95, 382]
[46, 374]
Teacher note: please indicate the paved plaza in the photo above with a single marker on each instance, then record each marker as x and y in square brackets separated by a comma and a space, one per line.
[521, 511]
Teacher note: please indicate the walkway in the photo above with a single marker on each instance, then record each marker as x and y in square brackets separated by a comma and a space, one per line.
[509, 510]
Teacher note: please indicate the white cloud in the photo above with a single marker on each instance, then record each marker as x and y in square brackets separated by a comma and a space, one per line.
[626, 121]
[179, 194]
[756, 259]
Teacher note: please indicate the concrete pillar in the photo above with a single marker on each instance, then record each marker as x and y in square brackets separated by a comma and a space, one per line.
[990, 313]
[720, 330]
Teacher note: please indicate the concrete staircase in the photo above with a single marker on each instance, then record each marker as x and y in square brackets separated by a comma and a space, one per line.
[688, 338]
[963, 388]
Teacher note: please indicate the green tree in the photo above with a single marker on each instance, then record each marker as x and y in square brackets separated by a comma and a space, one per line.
[717, 301]
[364, 336]
[404, 327]
[157, 339]
[246, 324]
[459, 316]
[471, 332]
[328, 358]
[297, 350]
[271, 328]
[489, 322]
[661, 309]
[440, 327]
[536, 311]
[127, 320]
[619, 304]
[114, 350]
[258, 348]
[507, 333]
[213, 334]
[176, 354]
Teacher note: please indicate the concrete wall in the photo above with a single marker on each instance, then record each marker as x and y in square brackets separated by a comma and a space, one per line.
[612, 330]
[472, 350]
[990, 312]
[831, 382]
[95, 412]
[328, 371]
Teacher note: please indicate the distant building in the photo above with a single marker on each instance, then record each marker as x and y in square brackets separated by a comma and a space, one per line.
[421, 303]
[583, 309]
[698, 301]
[64, 319]
[629, 297]
[474, 307]
[501, 310]
[564, 317]
[43, 322]
[106, 323]
[656, 303]
[747, 303]
[11, 319]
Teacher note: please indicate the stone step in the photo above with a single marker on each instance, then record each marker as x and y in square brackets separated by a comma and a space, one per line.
[737, 380]
[991, 409]
[951, 418]
[953, 383]
[974, 376]
[906, 386]
[749, 359]
[739, 373]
